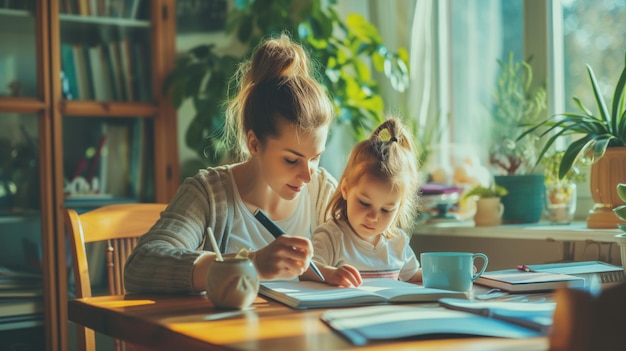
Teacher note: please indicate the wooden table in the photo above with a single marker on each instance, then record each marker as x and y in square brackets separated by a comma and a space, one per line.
[165, 322]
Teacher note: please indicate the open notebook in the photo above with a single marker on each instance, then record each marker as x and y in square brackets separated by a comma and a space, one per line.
[307, 294]
[454, 317]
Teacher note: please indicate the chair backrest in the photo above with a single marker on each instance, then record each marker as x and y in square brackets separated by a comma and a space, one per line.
[120, 226]
[583, 321]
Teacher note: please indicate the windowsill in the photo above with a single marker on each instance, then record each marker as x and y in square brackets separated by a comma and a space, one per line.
[576, 231]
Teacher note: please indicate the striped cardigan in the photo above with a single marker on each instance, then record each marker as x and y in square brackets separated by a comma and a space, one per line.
[163, 260]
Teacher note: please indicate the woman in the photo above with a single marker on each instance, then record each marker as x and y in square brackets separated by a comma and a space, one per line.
[280, 119]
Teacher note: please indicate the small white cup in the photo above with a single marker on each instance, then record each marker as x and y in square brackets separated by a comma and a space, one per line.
[232, 283]
[451, 270]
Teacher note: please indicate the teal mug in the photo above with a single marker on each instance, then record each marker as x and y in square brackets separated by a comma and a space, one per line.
[451, 270]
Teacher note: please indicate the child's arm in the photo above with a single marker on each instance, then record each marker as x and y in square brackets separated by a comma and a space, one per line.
[416, 278]
[345, 276]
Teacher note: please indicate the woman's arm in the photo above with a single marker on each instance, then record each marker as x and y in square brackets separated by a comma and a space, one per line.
[165, 258]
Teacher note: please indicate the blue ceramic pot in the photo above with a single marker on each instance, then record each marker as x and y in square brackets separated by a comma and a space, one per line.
[525, 201]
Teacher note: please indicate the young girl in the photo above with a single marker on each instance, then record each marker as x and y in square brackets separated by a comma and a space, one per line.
[280, 119]
[376, 197]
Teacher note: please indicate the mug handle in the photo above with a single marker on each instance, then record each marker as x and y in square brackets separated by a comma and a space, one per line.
[482, 270]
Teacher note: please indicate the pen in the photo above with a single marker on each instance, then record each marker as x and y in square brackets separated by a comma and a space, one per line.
[524, 268]
[276, 231]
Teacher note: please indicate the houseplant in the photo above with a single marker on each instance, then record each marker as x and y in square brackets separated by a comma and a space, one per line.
[481, 191]
[343, 48]
[620, 212]
[560, 192]
[515, 103]
[601, 137]
[489, 208]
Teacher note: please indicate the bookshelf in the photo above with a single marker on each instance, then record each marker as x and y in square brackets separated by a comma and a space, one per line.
[83, 123]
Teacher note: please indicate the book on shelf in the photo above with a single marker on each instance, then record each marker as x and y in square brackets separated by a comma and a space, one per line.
[93, 7]
[17, 307]
[100, 74]
[95, 71]
[21, 321]
[116, 165]
[7, 283]
[9, 294]
[309, 294]
[82, 73]
[113, 61]
[83, 7]
[138, 160]
[453, 317]
[128, 76]
[606, 274]
[11, 279]
[69, 69]
[133, 8]
[515, 280]
[141, 67]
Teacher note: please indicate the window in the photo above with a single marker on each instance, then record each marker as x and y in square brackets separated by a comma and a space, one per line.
[593, 33]
[561, 36]
[481, 33]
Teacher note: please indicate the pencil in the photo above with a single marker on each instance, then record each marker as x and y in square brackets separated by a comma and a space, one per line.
[276, 231]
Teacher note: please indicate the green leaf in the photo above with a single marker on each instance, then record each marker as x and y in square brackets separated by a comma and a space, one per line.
[604, 112]
[364, 31]
[242, 4]
[244, 32]
[572, 154]
[618, 101]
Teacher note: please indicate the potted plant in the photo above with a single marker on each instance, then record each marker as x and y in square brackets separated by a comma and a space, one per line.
[481, 191]
[601, 137]
[341, 47]
[515, 103]
[560, 192]
[489, 208]
[620, 212]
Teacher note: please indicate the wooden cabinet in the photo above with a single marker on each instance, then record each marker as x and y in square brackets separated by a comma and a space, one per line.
[83, 121]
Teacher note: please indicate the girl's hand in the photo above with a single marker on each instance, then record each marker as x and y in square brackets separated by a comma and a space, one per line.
[346, 276]
[285, 258]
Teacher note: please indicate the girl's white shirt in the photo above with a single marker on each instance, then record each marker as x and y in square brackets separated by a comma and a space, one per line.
[336, 244]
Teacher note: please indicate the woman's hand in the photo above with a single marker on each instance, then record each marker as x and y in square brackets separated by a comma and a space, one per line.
[285, 258]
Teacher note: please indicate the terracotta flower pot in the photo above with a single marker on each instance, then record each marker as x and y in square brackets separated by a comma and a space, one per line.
[606, 173]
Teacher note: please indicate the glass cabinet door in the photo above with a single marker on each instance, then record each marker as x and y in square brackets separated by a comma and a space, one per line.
[18, 50]
[21, 284]
[107, 160]
[105, 50]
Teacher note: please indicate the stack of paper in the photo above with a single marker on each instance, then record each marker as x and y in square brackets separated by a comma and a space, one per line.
[514, 280]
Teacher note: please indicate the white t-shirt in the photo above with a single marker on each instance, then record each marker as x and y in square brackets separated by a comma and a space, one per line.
[250, 233]
[336, 244]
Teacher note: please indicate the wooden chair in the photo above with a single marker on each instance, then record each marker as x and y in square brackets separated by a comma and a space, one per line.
[584, 322]
[119, 226]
